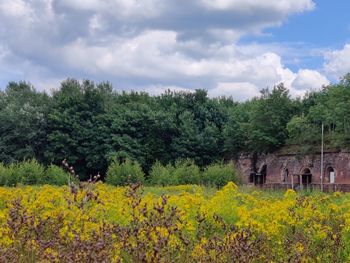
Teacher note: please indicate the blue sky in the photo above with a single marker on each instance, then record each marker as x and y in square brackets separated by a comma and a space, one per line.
[326, 27]
[229, 47]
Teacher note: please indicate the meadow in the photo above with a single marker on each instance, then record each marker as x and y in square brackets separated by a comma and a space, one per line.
[95, 222]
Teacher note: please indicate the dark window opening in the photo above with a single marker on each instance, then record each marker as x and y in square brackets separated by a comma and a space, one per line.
[306, 177]
[285, 175]
[260, 177]
[251, 177]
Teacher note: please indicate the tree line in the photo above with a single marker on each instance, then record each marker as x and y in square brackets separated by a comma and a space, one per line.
[92, 125]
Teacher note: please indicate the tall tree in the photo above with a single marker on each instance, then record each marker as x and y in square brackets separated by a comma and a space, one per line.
[76, 121]
[23, 125]
[269, 117]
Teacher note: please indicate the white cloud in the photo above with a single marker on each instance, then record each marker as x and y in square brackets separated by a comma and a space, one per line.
[118, 8]
[16, 8]
[150, 44]
[247, 6]
[309, 80]
[159, 56]
[338, 61]
[239, 91]
[159, 89]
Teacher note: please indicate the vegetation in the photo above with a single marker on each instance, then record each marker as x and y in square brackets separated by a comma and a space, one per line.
[101, 223]
[32, 173]
[90, 125]
[119, 173]
[162, 175]
[220, 174]
[186, 172]
[124, 173]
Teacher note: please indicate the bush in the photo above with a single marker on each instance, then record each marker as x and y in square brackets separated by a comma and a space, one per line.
[55, 175]
[122, 173]
[162, 175]
[28, 173]
[31, 173]
[220, 174]
[11, 177]
[8, 177]
[186, 172]
[4, 173]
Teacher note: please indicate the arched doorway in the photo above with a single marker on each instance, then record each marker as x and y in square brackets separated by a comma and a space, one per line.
[330, 175]
[263, 170]
[306, 177]
[260, 177]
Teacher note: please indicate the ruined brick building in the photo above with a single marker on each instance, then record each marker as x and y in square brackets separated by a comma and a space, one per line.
[295, 170]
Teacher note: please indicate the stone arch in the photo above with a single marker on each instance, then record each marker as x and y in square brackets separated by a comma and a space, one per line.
[330, 174]
[306, 176]
[259, 177]
[284, 172]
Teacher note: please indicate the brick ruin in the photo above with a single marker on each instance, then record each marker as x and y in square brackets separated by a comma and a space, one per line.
[294, 170]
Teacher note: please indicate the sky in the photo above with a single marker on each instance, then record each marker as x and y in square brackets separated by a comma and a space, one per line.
[228, 47]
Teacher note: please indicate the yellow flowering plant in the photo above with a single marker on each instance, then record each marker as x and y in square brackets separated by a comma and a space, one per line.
[95, 222]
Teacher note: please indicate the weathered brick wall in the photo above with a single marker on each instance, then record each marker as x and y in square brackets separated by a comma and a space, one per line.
[276, 165]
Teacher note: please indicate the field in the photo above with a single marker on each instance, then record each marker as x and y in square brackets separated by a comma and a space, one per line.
[101, 223]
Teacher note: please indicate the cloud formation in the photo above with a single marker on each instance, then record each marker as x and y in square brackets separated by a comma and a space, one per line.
[338, 61]
[149, 44]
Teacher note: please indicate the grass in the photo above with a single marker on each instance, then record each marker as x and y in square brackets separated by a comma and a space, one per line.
[177, 190]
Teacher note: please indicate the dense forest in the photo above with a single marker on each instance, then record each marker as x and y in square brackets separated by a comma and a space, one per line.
[91, 124]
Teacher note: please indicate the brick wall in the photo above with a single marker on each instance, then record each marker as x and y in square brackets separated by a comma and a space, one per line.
[281, 168]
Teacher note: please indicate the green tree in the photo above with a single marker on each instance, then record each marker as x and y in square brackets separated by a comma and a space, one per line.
[122, 173]
[268, 120]
[23, 124]
[162, 175]
[187, 172]
[78, 126]
[220, 174]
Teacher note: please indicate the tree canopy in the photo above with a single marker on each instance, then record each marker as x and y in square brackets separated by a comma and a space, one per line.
[92, 125]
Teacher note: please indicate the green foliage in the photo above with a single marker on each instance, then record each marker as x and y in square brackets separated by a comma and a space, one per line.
[235, 129]
[88, 124]
[23, 120]
[79, 126]
[186, 172]
[29, 172]
[55, 175]
[220, 174]
[11, 177]
[4, 174]
[122, 173]
[330, 106]
[296, 126]
[32, 173]
[268, 119]
[162, 175]
[301, 131]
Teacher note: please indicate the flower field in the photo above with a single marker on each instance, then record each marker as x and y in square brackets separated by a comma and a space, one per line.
[101, 223]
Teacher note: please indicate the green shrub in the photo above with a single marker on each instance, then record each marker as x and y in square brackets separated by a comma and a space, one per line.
[31, 173]
[4, 173]
[12, 178]
[220, 174]
[122, 173]
[186, 172]
[27, 173]
[162, 175]
[55, 175]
